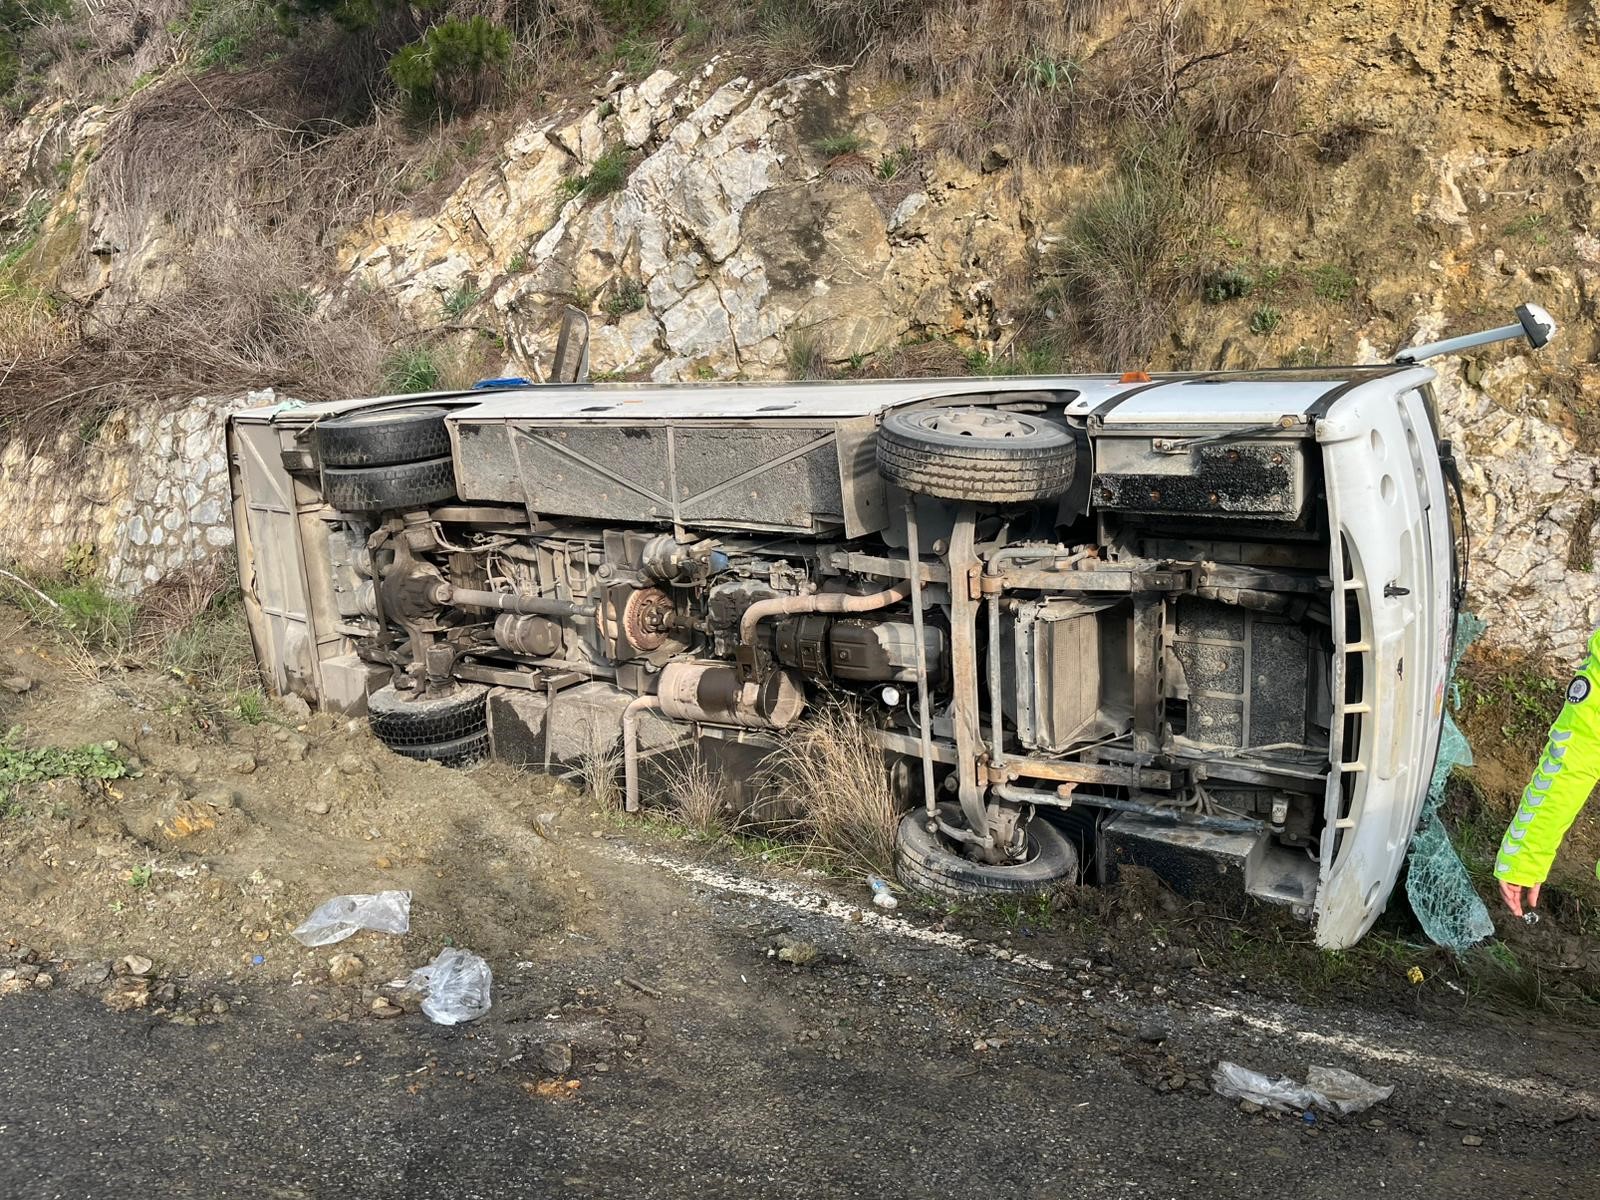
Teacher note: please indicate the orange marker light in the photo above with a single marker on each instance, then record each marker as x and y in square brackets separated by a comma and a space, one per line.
[1135, 377]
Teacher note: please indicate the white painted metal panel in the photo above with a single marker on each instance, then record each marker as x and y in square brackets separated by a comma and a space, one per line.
[1222, 401]
[1388, 506]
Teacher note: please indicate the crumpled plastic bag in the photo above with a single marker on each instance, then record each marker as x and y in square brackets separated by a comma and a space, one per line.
[456, 986]
[336, 919]
[1329, 1088]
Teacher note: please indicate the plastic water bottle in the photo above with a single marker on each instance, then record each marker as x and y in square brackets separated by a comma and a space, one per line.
[881, 895]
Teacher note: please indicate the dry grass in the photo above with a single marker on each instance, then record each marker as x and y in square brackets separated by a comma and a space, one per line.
[241, 317]
[203, 155]
[931, 359]
[192, 622]
[600, 766]
[806, 355]
[697, 794]
[837, 776]
[1131, 251]
[220, 168]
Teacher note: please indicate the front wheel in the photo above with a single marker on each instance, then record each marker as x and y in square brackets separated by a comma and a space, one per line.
[929, 863]
[988, 455]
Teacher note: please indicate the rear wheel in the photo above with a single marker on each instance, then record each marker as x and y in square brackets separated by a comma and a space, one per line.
[403, 485]
[986, 455]
[460, 752]
[410, 725]
[929, 862]
[384, 437]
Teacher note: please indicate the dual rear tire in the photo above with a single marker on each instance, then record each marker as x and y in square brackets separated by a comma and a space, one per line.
[452, 728]
[395, 458]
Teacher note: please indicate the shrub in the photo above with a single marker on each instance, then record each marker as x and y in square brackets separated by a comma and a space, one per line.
[1265, 319]
[452, 65]
[628, 298]
[1228, 284]
[609, 174]
[1129, 252]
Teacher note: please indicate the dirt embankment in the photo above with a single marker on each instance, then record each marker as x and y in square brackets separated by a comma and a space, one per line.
[225, 834]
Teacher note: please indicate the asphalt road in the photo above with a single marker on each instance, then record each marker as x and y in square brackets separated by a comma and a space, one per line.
[716, 1086]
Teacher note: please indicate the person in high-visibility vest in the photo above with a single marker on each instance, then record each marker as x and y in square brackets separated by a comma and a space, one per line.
[1566, 774]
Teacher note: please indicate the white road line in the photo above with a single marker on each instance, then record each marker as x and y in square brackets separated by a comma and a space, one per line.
[1429, 1064]
[807, 901]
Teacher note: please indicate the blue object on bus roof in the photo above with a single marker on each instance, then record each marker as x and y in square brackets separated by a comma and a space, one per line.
[509, 381]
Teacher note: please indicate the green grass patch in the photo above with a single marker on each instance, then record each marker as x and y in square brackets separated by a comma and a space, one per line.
[1332, 282]
[836, 144]
[1524, 225]
[891, 166]
[251, 705]
[608, 175]
[459, 302]
[84, 612]
[1025, 360]
[416, 369]
[1520, 699]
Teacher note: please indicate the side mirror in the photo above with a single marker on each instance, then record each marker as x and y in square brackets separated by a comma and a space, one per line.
[1537, 324]
[572, 349]
[1533, 323]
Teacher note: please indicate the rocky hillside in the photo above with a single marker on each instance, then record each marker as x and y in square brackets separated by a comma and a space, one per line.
[205, 200]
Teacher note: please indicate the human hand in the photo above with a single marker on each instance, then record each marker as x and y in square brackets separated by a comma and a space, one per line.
[1511, 893]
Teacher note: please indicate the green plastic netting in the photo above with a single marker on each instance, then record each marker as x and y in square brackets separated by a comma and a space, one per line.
[1441, 894]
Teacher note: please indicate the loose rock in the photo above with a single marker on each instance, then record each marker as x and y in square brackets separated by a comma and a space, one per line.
[384, 1009]
[1472, 1139]
[318, 806]
[351, 764]
[16, 684]
[342, 968]
[130, 993]
[555, 1058]
[219, 798]
[134, 964]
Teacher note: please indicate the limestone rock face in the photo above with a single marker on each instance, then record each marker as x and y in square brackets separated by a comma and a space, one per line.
[729, 233]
